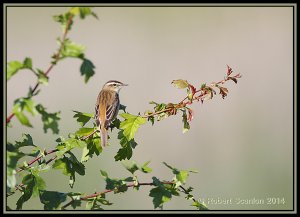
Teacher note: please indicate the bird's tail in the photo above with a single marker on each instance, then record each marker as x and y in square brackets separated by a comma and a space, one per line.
[103, 136]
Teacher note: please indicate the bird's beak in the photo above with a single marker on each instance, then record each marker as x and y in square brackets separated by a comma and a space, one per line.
[125, 85]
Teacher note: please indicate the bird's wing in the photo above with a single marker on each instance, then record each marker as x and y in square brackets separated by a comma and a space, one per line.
[96, 117]
[112, 111]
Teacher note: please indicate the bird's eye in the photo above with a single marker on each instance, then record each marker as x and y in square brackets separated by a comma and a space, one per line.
[115, 84]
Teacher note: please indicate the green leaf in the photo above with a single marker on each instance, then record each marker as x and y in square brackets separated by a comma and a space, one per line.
[64, 19]
[34, 183]
[122, 108]
[50, 120]
[27, 141]
[27, 63]
[77, 166]
[127, 146]
[74, 11]
[13, 156]
[131, 124]
[186, 125]
[52, 199]
[82, 118]
[93, 146]
[12, 160]
[21, 117]
[151, 119]
[115, 124]
[180, 83]
[93, 205]
[69, 166]
[160, 107]
[42, 77]
[12, 68]
[117, 185]
[87, 69]
[27, 192]
[131, 166]
[22, 104]
[63, 164]
[85, 11]
[145, 168]
[39, 185]
[104, 173]
[159, 196]
[180, 175]
[162, 193]
[123, 153]
[76, 199]
[84, 131]
[26, 104]
[82, 11]
[68, 144]
[199, 205]
[96, 202]
[85, 154]
[71, 49]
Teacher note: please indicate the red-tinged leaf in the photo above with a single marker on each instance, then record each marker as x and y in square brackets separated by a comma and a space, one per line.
[190, 115]
[223, 91]
[238, 76]
[229, 70]
[211, 94]
[192, 88]
[233, 79]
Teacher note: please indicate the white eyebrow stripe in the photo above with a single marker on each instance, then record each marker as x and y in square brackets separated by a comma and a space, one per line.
[113, 82]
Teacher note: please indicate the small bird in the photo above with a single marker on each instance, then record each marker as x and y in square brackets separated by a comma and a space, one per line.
[107, 107]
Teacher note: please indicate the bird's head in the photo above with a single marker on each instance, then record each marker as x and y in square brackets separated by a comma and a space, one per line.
[114, 85]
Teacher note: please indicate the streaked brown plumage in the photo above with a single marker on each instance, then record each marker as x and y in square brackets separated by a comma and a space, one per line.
[107, 107]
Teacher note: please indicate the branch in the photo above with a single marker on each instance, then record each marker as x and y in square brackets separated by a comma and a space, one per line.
[88, 136]
[171, 110]
[48, 153]
[37, 158]
[110, 190]
[186, 192]
[57, 56]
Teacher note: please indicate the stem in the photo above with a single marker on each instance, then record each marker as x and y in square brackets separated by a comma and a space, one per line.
[57, 56]
[107, 191]
[186, 192]
[50, 152]
[182, 103]
[86, 137]
[37, 158]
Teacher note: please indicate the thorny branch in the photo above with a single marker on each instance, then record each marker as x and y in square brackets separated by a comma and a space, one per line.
[111, 190]
[57, 56]
[204, 91]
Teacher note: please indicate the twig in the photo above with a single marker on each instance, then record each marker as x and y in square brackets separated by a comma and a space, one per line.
[182, 103]
[57, 56]
[110, 190]
[37, 158]
[186, 192]
[86, 137]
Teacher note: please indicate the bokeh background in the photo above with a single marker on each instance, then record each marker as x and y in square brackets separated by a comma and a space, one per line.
[242, 146]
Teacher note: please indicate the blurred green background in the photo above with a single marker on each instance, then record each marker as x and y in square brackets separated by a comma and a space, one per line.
[242, 146]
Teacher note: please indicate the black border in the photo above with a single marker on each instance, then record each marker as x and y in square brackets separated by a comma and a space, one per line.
[77, 211]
